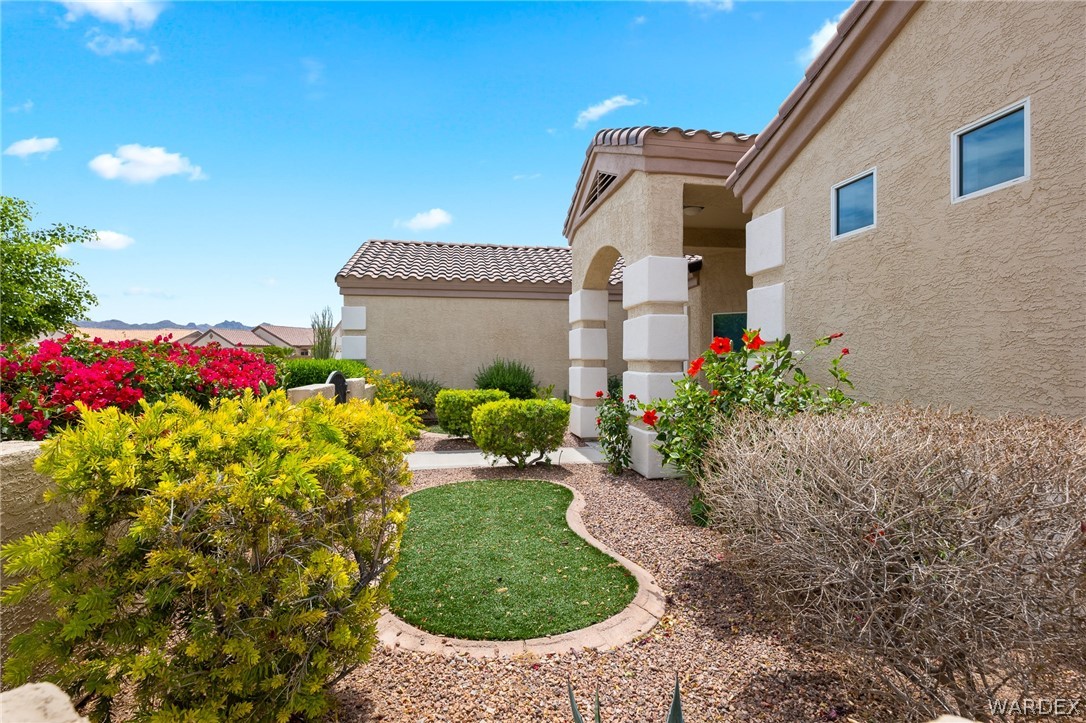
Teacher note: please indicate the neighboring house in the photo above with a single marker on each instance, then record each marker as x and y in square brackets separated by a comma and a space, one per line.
[921, 190]
[232, 339]
[300, 338]
[445, 310]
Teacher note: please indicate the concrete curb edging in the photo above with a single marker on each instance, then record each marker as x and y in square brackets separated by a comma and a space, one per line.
[633, 621]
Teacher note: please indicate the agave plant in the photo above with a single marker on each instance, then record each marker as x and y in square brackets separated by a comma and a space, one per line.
[674, 714]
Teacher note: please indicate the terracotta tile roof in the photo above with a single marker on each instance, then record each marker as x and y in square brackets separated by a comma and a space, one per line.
[238, 336]
[431, 261]
[108, 335]
[636, 136]
[292, 335]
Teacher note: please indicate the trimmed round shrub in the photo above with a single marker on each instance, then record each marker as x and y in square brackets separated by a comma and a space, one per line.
[454, 407]
[227, 563]
[513, 377]
[942, 552]
[518, 428]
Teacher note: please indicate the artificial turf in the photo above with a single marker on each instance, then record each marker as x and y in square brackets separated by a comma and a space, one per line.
[495, 560]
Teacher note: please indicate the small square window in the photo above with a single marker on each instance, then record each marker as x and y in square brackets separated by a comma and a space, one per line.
[991, 153]
[852, 205]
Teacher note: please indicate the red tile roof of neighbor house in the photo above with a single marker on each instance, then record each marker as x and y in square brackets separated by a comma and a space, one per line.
[293, 335]
[431, 261]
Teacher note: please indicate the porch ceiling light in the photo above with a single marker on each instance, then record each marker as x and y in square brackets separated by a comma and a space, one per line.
[692, 210]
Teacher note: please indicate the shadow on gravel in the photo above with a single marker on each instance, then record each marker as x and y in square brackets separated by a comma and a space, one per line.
[671, 494]
[354, 705]
[794, 695]
[720, 602]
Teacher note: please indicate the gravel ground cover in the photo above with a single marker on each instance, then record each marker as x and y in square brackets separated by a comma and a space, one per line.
[733, 663]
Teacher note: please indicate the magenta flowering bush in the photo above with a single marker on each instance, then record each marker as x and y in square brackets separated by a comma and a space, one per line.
[41, 383]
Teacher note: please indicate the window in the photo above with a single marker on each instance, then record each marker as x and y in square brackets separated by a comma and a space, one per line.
[991, 153]
[730, 325]
[852, 205]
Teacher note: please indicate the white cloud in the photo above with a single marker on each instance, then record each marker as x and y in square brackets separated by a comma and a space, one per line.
[102, 44]
[25, 107]
[314, 71]
[640, 20]
[30, 146]
[818, 41]
[270, 281]
[154, 56]
[110, 241]
[427, 220]
[144, 164]
[144, 291]
[124, 13]
[594, 113]
[527, 176]
[710, 7]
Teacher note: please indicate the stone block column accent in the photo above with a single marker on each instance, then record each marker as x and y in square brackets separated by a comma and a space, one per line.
[587, 358]
[655, 338]
[353, 328]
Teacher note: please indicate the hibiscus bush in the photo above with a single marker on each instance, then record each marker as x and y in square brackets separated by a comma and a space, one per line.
[41, 383]
[764, 377]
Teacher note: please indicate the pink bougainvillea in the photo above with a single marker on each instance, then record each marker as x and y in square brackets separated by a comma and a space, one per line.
[41, 384]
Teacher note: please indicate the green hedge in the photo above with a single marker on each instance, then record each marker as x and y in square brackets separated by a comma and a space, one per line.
[518, 428]
[301, 372]
[454, 407]
[514, 377]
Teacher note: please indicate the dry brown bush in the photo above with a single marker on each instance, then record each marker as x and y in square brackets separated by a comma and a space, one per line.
[944, 552]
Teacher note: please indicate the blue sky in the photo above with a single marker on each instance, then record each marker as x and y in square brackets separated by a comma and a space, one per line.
[233, 155]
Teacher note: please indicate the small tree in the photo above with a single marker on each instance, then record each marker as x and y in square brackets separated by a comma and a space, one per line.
[323, 323]
[40, 291]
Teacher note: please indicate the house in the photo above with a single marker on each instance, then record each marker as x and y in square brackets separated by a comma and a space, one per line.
[299, 338]
[114, 335]
[922, 190]
[444, 310]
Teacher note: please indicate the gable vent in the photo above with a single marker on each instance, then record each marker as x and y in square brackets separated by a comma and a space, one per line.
[599, 185]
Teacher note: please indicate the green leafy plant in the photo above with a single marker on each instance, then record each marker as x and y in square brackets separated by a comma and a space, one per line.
[323, 323]
[227, 563]
[454, 407]
[302, 372]
[764, 377]
[674, 713]
[513, 377]
[425, 391]
[613, 424]
[518, 428]
[41, 292]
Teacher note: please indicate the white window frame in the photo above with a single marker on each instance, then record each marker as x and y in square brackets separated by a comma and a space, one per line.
[955, 152]
[873, 172]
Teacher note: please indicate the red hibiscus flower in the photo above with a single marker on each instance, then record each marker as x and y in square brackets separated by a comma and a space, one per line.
[633, 396]
[599, 393]
[597, 421]
[650, 417]
[844, 352]
[721, 345]
[695, 366]
[714, 393]
[754, 343]
[836, 335]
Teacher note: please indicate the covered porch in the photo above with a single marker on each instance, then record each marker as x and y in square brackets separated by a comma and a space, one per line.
[654, 196]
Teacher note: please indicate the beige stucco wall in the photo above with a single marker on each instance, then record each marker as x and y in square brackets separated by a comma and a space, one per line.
[722, 288]
[979, 303]
[449, 338]
[22, 511]
[643, 217]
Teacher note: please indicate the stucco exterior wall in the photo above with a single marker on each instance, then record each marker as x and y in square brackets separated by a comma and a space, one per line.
[979, 303]
[23, 511]
[722, 288]
[643, 217]
[449, 338]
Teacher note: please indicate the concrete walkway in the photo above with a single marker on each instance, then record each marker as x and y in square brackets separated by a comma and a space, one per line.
[468, 459]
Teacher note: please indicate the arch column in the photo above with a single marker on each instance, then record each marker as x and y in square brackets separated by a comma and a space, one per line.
[587, 358]
[655, 338]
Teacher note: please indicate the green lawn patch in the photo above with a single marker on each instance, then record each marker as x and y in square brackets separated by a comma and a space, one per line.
[495, 560]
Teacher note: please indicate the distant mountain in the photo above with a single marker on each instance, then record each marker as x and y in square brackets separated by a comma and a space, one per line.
[164, 324]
